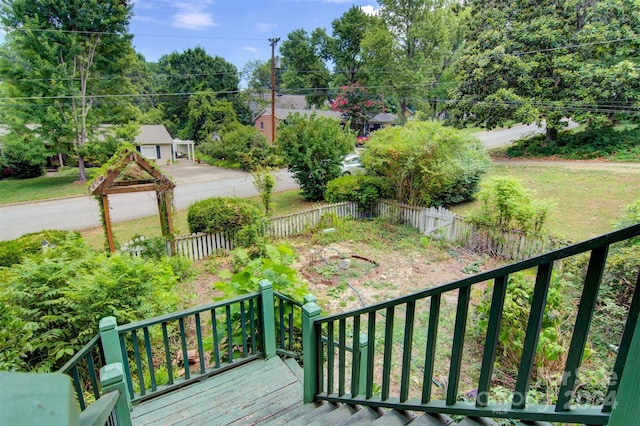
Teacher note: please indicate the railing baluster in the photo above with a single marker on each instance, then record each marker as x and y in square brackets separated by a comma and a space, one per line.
[136, 355]
[321, 349]
[92, 374]
[185, 355]
[342, 351]
[355, 357]
[199, 340]
[623, 350]
[281, 313]
[430, 350]
[458, 344]
[243, 325]
[371, 348]
[252, 326]
[167, 352]
[76, 382]
[407, 350]
[530, 345]
[147, 346]
[492, 339]
[581, 328]
[127, 367]
[386, 357]
[229, 334]
[216, 340]
[330, 357]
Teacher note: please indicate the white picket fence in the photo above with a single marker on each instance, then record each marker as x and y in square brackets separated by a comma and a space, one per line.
[437, 221]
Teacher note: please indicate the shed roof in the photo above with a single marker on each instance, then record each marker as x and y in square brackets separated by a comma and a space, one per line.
[153, 134]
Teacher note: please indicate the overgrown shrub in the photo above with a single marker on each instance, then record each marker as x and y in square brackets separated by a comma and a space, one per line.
[618, 144]
[313, 149]
[426, 163]
[60, 295]
[507, 205]
[514, 322]
[361, 189]
[25, 155]
[12, 251]
[227, 215]
[242, 145]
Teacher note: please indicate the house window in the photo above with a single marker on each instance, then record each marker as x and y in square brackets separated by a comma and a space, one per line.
[148, 151]
[262, 125]
[158, 155]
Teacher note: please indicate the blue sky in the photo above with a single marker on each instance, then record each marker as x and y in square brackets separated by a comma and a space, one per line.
[236, 30]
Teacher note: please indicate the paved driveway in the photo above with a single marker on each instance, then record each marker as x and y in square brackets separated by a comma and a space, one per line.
[185, 171]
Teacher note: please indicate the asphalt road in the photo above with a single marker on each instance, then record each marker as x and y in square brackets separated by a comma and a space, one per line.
[193, 182]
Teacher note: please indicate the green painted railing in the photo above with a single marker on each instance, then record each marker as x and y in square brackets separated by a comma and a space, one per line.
[164, 353]
[399, 372]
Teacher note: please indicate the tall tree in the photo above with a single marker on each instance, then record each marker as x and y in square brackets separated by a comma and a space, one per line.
[424, 34]
[191, 72]
[61, 60]
[344, 47]
[532, 62]
[304, 71]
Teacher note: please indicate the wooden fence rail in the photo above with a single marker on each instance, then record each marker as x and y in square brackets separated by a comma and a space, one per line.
[436, 221]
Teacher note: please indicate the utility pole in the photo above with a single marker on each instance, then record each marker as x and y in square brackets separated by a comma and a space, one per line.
[273, 42]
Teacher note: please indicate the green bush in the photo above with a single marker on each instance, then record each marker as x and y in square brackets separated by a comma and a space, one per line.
[514, 322]
[361, 189]
[12, 252]
[24, 154]
[426, 163]
[507, 205]
[226, 215]
[313, 149]
[242, 145]
[618, 144]
[60, 295]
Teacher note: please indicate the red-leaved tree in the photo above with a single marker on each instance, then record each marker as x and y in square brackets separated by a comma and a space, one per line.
[357, 105]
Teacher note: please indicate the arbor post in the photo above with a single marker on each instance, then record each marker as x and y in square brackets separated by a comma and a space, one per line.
[310, 313]
[268, 318]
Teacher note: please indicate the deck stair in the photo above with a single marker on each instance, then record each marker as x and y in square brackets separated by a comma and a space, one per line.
[271, 395]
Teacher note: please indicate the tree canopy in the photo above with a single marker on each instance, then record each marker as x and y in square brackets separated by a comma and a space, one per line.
[59, 60]
[531, 62]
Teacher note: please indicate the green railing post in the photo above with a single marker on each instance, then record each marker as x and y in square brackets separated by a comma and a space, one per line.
[310, 312]
[268, 318]
[111, 379]
[110, 340]
[626, 410]
[364, 358]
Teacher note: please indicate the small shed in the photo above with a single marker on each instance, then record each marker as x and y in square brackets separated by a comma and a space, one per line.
[128, 171]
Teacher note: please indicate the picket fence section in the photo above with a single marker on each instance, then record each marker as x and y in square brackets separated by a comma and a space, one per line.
[437, 222]
[296, 223]
[200, 246]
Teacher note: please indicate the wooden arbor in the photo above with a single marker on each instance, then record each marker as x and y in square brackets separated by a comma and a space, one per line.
[141, 176]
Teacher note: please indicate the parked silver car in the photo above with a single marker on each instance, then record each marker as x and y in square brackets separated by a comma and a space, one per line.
[351, 165]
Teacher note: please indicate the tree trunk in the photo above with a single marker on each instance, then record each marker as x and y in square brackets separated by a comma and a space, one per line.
[81, 170]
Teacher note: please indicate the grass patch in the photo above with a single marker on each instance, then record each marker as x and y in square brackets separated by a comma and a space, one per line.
[62, 184]
[586, 202]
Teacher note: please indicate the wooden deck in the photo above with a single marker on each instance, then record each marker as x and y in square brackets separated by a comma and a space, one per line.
[256, 392]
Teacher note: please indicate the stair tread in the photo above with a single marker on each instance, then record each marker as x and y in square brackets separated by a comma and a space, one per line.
[477, 421]
[295, 368]
[291, 415]
[338, 415]
[392, 418]
[310, 416]
[428, 419]
[364, 416]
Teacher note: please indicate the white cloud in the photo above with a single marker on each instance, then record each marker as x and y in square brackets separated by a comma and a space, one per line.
[370, 10]
[250, 49]
[142, 18]
[264, 27]
[192, 15]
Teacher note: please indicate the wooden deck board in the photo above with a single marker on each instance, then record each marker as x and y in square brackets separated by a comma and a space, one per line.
[256, 391]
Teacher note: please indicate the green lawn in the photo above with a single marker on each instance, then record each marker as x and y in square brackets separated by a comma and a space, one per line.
[586, 202]
[62, 184]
